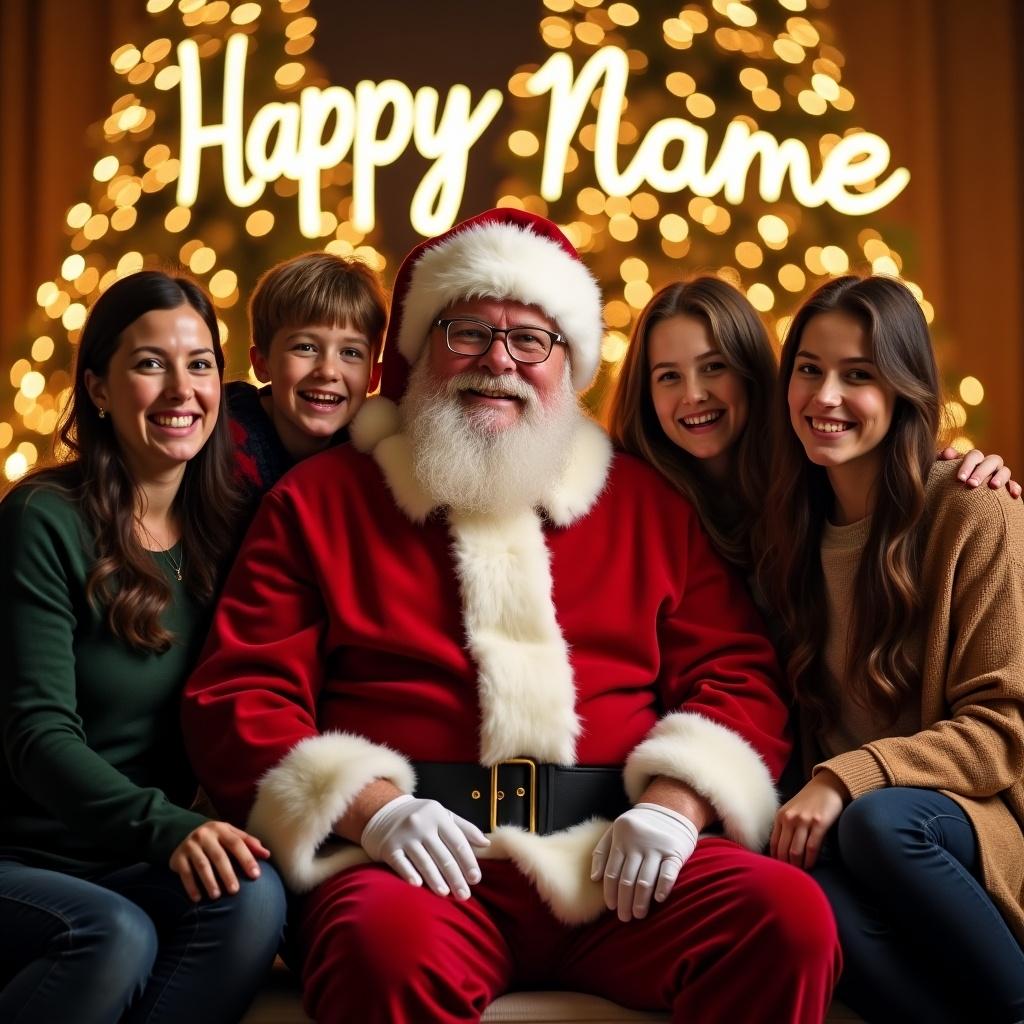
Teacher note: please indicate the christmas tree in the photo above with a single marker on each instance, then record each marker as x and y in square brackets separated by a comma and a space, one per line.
[768, 70]
[130, 216]
[711, 75]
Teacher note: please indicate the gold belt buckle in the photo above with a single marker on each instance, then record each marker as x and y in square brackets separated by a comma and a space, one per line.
[495, 791]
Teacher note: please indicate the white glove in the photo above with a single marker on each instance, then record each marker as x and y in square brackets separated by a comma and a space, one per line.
[643, 850]
[424, 842]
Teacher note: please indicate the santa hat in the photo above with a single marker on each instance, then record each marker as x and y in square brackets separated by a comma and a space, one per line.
[500, 254]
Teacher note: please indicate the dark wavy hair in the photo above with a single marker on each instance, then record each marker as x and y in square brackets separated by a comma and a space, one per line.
[124, 577]
[886, 606]
[728, 515]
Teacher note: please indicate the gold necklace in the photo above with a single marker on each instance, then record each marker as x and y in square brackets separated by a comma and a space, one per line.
[175, 566]
[166, 552]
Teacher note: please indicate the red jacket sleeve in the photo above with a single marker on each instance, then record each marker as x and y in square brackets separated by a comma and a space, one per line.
[725, 733]
[253, 695]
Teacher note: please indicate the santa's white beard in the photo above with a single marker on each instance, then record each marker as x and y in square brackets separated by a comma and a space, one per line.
[464, 461]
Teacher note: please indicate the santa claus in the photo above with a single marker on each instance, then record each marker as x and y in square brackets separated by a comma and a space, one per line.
[483, 688]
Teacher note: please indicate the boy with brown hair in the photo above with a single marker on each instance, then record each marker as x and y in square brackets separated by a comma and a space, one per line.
[317, 325]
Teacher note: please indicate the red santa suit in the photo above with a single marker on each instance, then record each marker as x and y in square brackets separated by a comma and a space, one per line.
[363, 629]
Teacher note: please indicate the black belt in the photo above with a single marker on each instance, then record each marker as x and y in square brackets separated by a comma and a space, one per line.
[535, 796]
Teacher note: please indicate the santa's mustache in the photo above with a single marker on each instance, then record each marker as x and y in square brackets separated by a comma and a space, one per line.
[474, 380]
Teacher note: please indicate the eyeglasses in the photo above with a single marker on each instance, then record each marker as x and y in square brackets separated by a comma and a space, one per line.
[474, 338]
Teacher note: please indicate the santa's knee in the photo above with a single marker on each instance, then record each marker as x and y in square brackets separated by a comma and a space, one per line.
[789, 917]
[376, 952]
[385, 932]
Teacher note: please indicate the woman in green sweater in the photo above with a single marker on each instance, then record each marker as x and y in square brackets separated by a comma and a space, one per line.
[118, 902]
[902, 598]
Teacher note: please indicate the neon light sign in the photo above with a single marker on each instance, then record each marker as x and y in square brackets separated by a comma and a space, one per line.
[447, 135]
[300, 151]
[854, 160]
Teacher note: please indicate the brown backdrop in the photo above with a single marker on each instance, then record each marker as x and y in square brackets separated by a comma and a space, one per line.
[55, 80]
[941, 80]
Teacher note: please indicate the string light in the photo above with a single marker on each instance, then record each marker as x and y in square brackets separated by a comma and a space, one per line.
[972, 391]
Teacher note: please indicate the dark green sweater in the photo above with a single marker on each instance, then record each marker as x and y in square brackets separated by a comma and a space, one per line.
[94, 771]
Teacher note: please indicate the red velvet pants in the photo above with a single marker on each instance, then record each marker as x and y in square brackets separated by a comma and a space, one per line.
[741, 939]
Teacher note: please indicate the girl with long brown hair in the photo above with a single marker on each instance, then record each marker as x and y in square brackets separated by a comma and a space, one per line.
[698, 371]
[693, 399]
[110, 885]
[902, 600]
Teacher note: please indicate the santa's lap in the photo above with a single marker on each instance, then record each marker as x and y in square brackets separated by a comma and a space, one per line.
[375, 948]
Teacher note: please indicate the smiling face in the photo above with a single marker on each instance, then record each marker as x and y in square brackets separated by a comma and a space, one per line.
[161, 391]
[318, 377]
[839, 406]
[700, 401]
[494, 395]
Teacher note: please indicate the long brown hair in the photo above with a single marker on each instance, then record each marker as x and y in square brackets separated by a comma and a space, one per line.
[885, 602]
[124, 577]
[738, 332]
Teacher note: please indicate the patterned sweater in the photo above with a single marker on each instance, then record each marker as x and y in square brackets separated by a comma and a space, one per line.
[260, 457]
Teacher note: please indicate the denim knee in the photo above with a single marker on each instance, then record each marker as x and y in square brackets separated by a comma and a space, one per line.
[104, 943]
[253, 918]
[880, 831]
[121, 940]
[867, 830]
[866, 816]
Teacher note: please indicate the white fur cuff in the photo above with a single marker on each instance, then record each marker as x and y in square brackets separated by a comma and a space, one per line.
[300, 798]
[718, 763]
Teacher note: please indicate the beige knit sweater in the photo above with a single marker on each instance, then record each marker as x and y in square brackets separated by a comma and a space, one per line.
[841, 548]
[971, 740]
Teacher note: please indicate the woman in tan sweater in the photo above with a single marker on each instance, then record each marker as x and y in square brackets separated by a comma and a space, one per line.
[902, 597]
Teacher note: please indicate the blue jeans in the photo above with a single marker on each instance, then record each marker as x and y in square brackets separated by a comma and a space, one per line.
[922, 940]
[130, 945]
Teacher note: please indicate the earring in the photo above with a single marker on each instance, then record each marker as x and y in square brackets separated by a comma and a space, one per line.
[103, 414]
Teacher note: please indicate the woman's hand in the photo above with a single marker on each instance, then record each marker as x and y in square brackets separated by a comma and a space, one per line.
[801, 824]
[978, 468]
[203, 855]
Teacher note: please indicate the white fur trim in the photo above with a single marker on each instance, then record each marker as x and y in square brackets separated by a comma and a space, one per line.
[394, 456]
[584, 477]
[503, 261]
[376, 420]
[558, 866]
[718, 763]
[303, 795]
[525, 687]
[376, 430]
[525, 682]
